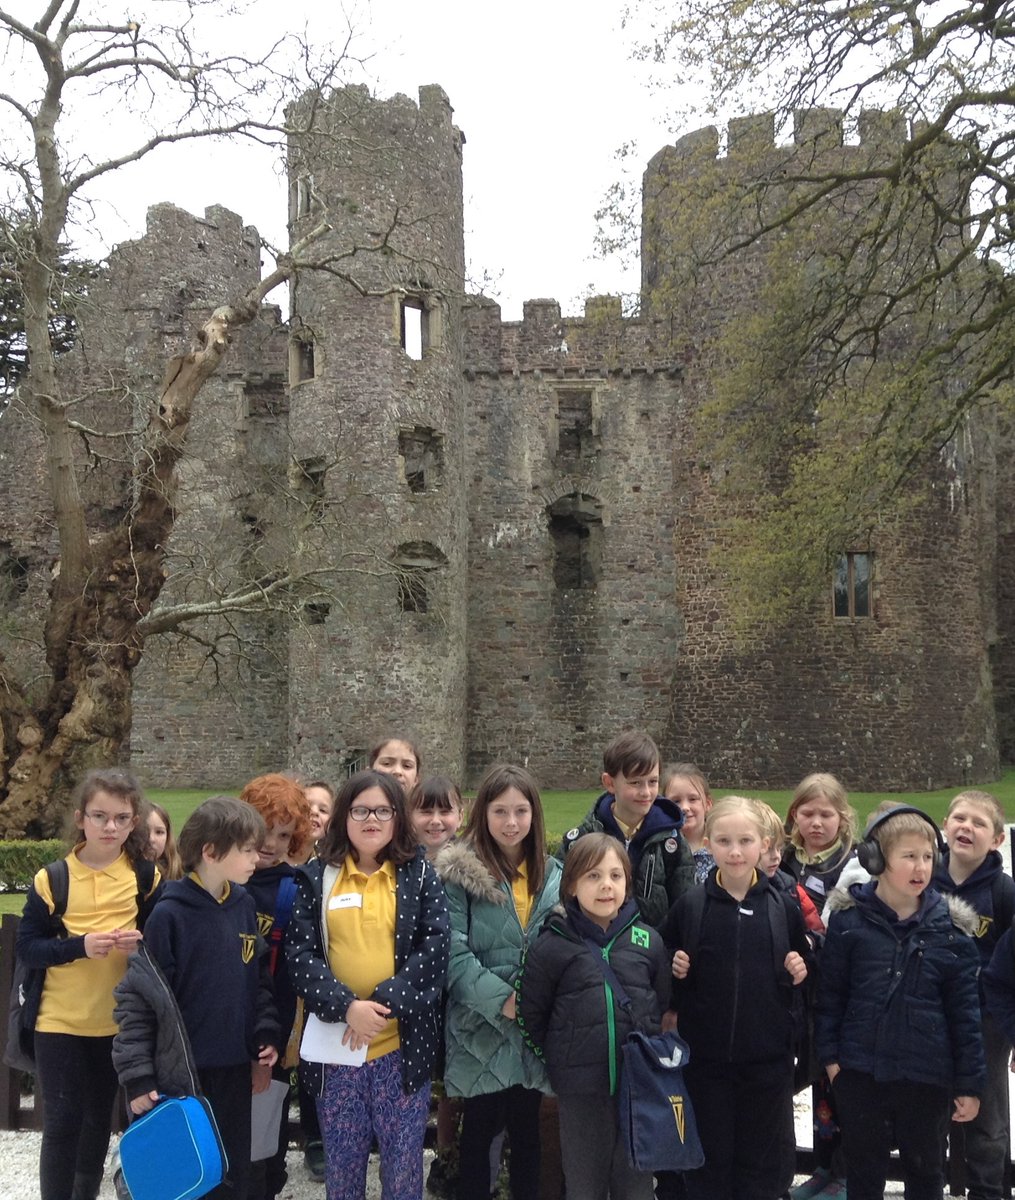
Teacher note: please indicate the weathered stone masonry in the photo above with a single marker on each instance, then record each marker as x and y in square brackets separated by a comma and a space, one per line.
[536, 485]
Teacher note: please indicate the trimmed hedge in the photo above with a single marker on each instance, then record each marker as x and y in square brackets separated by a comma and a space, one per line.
[19, 861]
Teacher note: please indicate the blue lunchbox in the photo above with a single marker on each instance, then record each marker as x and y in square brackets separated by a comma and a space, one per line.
[173, 1152]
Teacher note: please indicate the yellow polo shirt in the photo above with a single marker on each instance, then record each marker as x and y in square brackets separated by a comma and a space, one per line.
[78, 996]
[361, 938]
[521, 895]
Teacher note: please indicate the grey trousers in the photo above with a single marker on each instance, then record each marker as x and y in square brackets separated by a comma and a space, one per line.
[595, 1159]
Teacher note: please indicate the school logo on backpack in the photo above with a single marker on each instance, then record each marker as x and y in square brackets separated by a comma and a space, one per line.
[677, 1104]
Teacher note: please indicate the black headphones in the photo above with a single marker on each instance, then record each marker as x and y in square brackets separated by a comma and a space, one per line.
[869, 853]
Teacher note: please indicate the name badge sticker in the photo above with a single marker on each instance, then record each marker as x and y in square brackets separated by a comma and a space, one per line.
[814, 884]
[346, 900]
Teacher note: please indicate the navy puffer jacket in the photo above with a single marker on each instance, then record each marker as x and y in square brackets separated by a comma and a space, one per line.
[898, 1000]
[566, 1011]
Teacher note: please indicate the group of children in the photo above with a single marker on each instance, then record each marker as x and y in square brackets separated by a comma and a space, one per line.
[399, 948]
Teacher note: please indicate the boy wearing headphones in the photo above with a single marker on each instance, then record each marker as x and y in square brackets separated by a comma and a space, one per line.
[897, 1024]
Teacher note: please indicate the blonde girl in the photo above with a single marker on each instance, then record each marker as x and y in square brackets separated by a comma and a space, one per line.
[687, 787]
[822, 829]
[500, 884]
[569, 1017]
[161, 843]
[741, 948]
[111, 888]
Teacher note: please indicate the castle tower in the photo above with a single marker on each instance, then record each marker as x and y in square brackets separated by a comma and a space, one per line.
[887, 676]
[377, 429]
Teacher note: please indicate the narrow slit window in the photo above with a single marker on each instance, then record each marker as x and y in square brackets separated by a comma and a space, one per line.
[414, 339]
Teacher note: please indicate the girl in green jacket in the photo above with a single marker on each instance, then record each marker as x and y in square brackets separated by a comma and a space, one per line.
[500, 885]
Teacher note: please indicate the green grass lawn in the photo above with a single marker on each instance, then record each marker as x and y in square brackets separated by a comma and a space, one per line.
[564, 810]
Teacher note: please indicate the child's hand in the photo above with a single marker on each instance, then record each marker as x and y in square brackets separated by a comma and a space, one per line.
[260, 1077]
[797, 968]
[127, 939]
[144, 1103]
[98, 945]
[366, 1019]
[669, 1022]
[510, 1008]
[831, 1071]
[681, 965]
[267, 1056]
[966, 1108]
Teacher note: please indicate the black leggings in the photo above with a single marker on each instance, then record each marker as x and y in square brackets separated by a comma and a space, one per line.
[78, 1088]
[483, 1117]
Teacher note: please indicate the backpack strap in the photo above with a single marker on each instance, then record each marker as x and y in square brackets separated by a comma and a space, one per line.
[58, 874]
[693, 902]
[284, 897]
[1002, 901]
[778, 923]
[599, 953]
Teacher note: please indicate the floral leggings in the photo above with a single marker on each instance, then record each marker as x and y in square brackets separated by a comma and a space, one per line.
[359, 1103]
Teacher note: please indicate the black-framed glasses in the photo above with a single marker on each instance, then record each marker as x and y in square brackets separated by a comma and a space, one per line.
[100, 819]
[361, 812]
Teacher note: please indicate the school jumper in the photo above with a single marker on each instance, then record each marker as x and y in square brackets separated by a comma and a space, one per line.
[488, 1062]
[819, 877]
[391, 1093]
[899, 1011]
[213, 959]
[662, 865]
[991, 892]
[738, 1011]
[572, 1019]
[269, 1176]
[75, 1024]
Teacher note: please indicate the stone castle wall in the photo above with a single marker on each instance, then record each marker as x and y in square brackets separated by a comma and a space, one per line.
[522, 523]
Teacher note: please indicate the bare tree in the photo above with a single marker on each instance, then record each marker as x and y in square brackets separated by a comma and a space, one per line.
[871, 211]
[157, 85]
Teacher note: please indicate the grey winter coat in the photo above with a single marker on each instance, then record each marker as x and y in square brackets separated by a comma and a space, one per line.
[485, 1050]
[151, 1050]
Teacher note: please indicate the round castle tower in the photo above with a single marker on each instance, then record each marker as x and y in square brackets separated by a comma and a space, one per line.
[377, 428]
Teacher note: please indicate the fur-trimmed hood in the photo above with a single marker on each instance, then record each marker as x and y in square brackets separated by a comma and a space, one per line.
[963, 916]
[459, 864]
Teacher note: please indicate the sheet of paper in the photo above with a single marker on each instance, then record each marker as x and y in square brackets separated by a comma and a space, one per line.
[322, 1043]
[266, 1118]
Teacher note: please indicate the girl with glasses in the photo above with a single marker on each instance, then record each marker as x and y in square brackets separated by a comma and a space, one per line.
[111, 887]
[368, 948]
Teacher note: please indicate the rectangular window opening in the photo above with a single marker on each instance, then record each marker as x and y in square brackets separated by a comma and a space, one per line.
[851, 586]
[415, 328]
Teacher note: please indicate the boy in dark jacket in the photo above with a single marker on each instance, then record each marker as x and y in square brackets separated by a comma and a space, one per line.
[972, 870]
[203, 936]
[646, 824]
[898, 1015]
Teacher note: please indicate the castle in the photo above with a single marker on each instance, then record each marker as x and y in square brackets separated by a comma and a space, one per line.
[535, 487]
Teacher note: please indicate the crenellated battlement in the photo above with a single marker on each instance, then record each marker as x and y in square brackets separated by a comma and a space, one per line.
[878, 129]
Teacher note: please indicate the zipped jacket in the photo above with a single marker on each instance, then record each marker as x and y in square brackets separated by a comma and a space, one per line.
[485, 1050]
[898, 999]
[738, 1003]
[151, 1050]
[568, 1012]
[662, 864]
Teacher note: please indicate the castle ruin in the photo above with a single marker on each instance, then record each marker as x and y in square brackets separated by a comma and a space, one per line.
[522, 524]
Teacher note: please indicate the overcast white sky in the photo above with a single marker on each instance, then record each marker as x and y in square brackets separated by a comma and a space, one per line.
[545, 92]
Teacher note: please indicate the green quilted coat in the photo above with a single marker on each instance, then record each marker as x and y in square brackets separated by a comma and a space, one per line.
[485, 1051]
